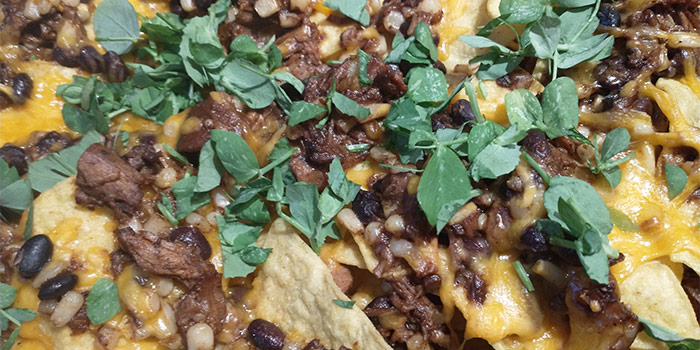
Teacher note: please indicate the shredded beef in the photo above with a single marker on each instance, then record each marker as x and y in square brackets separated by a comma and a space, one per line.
[556, 161]
[52, 142]
[118, 259]
[221, 111]
[302, 57]
[80, 323]
[104, 178]
[597, 308]
[15, 157]
[161, 256]
[388, 82]
[691, 285]
[144, 159]
[367, 207]
[205, 302]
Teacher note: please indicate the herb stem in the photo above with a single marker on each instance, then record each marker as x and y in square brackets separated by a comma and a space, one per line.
[133, 40]
[547, 179]
[524, 276]
[410, 170]
[278, 161]
[9, 317]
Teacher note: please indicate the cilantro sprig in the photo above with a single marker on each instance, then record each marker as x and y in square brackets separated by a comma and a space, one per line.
[14, 315]
[616, 142]
[561, 32]
[15, 192]
[579, 220]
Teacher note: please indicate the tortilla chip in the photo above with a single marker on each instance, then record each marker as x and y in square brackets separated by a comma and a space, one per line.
[688, 258]
[295, 290]
[508, 309]
[344, 252]
[685, 99]
[652, 291]
[77, 233]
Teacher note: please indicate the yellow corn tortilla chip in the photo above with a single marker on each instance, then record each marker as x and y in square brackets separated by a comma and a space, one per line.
[687, 258]
[508, 308]
[295, 290]
[652, 291]
[685, 99]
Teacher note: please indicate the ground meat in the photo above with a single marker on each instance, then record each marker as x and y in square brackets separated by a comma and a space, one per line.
[15, 157]
[104, 178]
[222, 111]
[205, 302]
[597, 310]
[301, 56]
[161, 256]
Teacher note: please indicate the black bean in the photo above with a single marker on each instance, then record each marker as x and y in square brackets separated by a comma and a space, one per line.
[90, 60]
[52, 142]
[266, 335]
[63, 58]
[115, 70]
[22, 87]
[609, 16]
[536, 144]
[57, 286]
[461, 112]
[534, 240]
[191, 236]
[15, 157]
[33, 255]
[366, 206]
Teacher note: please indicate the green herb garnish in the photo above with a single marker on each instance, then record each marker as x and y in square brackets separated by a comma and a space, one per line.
[561, 33]
[116, 25]
[103, 301]
[674, 340]
[354, 9]
[14, 315]
[617, 141]
[346, 304]
[676, 178]
[523, 275]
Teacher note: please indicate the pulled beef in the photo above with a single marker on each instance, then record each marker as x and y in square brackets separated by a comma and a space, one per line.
[221, 111]
[387, 83]
[161, 256]
[80, 323]
[320, 146]
[596, 310]
[145, 159]
[691, 285]
[118, 259]
[393, 190]
[554, 159]
[465, 247]
[205, 302]
[15, 157]
[410, 13]
[408, 298]
[104, 178]
[301, 57]
[517, 79]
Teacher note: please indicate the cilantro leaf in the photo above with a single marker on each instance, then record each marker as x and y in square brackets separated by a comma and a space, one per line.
[674, 340]
[210, 169]
[8, 294]
[116, 25]
[362, 64]
[560, 107]
[495, 160]
[102, 301]
[622, 221]
[522, 11]
[347, 106]
[238, 248]
[354, 9]
[15, 193]
[676, 178]
[235, 155]
[444, 187]
[303, 111]
[187, 200]
[346, 304]
[427, 85]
